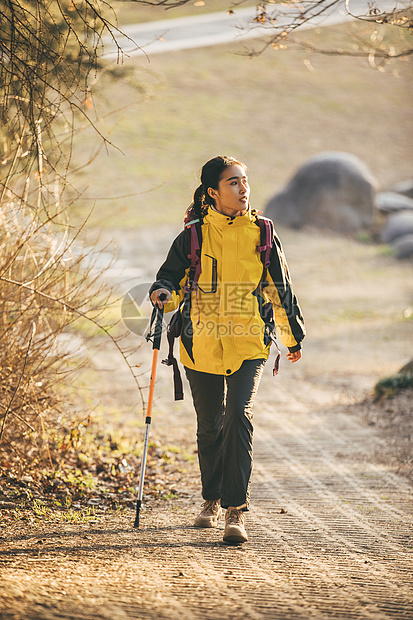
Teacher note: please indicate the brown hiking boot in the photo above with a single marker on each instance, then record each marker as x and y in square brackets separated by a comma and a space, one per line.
[210, 514]
[235, 526]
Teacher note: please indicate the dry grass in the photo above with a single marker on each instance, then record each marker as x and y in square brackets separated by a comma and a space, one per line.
[41, 283]
[273, 112]
[48, 280]
[133, 13]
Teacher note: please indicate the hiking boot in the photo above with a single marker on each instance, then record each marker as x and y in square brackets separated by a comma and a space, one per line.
[210, 514]
[235, 526]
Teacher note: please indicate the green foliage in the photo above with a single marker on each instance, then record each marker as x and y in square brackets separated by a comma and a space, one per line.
[364, 237]
[46, 513]
[389, 386]
[95, 468]
[80, 480]
[169, 495]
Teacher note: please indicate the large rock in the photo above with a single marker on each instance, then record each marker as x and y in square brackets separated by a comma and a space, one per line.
[403, 246]
[390, 202]
[403, 187]
[397, 225]
[332, 190]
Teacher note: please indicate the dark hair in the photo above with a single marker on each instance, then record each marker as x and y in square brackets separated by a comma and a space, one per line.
[210, 177]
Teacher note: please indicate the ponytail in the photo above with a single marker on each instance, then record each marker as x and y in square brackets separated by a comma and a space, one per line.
[198, 208]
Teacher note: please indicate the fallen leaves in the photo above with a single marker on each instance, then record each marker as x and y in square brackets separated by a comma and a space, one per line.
[95, 471]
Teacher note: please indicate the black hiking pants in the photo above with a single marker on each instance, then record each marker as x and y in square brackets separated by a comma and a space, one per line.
[223, 405]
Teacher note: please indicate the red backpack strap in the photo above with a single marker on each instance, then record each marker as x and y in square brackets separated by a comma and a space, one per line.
[195, 241]
[193, 228]
[266, 239]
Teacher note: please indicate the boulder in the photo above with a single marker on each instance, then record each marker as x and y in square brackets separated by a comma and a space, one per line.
[390, 202]
[333, 190]
[403, 187]
[398, 225]
[403, 246]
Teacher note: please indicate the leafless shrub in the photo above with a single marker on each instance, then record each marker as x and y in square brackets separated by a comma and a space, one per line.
[283, 20]
[48, 279]
[44, 286]
[376, 43]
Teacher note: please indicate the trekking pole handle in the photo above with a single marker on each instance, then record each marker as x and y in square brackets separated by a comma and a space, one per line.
[158, 317]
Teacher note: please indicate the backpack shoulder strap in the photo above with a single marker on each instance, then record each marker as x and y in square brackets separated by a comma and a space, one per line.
[266, 242]
[266, 239]
[195, 243]
[193, 228]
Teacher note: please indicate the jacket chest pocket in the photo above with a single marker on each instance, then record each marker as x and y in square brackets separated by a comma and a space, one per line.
[208, 281]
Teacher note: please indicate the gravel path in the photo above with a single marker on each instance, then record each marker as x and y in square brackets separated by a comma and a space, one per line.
[329, 538]
[329, 526]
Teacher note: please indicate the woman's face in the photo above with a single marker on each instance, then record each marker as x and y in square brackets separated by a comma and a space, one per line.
[232, 195]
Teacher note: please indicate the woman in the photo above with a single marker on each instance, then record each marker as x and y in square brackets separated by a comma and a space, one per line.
[224, 340]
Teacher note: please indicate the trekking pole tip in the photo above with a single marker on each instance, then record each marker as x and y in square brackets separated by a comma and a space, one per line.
[138, 509]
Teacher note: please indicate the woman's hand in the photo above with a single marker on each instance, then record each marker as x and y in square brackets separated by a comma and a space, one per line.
[156, 297]
[294, 357]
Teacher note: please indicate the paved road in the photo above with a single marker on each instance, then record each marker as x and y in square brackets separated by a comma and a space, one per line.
[204, 30]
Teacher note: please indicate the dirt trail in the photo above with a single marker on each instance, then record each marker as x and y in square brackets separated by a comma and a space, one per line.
[329, 526]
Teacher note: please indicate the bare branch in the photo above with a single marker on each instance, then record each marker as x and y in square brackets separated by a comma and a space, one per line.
[283, 21]
[85, 315]
[18, 382]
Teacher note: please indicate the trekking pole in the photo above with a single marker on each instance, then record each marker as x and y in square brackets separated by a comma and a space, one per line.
[156, 323]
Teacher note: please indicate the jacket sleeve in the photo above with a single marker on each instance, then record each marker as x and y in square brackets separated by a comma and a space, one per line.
[173, 273]
[287, 313]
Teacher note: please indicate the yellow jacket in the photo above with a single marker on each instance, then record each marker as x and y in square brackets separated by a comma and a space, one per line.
[223, 322]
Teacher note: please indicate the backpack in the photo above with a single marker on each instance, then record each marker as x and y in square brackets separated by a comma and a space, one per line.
[194, 231]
